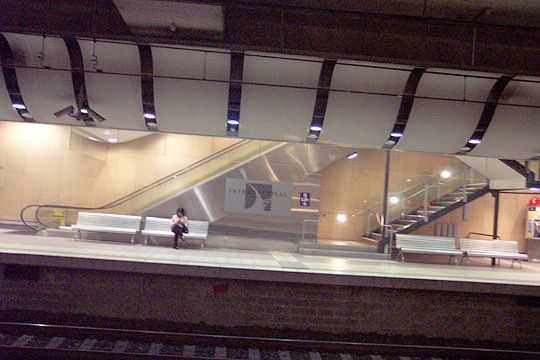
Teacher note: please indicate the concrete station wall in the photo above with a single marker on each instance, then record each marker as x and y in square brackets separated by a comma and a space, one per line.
[273, 305]
[50, 164]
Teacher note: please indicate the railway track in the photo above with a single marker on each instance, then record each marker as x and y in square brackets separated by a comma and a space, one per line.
[40, 341]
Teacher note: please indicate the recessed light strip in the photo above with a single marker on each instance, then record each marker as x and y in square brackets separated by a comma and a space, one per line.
[487, 114]
[77, 79]
[236, 75]
[321, 100]
[405, 107]
[147, 87]
[10, 79]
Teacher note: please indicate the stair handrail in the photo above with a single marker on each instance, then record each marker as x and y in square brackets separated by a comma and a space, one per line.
[483, 234]
[137, 192]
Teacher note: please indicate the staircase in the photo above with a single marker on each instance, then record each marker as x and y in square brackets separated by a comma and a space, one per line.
[410, 221]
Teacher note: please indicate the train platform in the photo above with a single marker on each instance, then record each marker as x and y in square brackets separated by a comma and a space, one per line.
[478, 276]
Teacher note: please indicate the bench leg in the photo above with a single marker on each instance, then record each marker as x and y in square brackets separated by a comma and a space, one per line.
[466, 259]
[452, 257]
[202, 244]
[519, 261]
[401, 256]
[133, 239]
[146, 240]
[78, 235]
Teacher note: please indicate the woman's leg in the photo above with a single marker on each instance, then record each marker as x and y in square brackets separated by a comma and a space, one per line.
[177, 230]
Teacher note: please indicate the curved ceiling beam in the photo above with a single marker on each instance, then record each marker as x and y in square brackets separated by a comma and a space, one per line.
[147, 87]
[10, 77]
[321, 100]
[82, 112]
[235, 93]
[487, 113]
[407, 100]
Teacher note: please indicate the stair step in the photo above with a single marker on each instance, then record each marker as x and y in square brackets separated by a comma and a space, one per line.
[414, 216]
[369, 240]
[339, 253]
[436, 207]
[405, 221]
[375, 235]
[304, 245]
[442, 203]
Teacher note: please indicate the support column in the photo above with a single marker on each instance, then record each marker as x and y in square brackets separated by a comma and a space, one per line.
[384, 240]
[496, 195]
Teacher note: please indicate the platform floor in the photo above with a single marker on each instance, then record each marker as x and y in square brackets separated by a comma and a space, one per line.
[478, 276]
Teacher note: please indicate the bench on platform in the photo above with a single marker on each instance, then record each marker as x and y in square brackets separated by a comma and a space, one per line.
[496, 249]
[107, 223]
[426, 245]
[162, 227]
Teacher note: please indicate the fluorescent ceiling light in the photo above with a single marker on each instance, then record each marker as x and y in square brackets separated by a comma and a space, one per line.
[396, 134]
[315, 128]
[341, 218]
[149, 116]
[112, 140]
[19, 106]
[233, 122]
[352, 155]
[475, 141]
[93, 138]
[84, 110]
[534, 189]
[393, 199]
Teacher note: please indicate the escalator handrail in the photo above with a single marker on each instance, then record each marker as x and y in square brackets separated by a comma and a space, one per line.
[136, 192]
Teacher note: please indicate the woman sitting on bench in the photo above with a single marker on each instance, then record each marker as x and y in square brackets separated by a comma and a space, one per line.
[179, 222]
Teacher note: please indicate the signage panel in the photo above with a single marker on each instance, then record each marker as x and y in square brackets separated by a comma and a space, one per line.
[257, 197]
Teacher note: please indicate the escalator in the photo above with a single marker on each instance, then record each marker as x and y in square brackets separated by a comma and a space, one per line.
[43, 216]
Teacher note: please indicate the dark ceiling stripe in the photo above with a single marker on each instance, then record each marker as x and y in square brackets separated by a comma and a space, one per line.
[487, 113]
[7, 61]
[147, 87]
[235, 93]
[77, 78]
[407, 100]
[321, 99]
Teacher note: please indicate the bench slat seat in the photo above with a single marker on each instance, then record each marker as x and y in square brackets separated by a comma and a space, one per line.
[429, 245]
[162, 227]
[500, 249]
[107, 223]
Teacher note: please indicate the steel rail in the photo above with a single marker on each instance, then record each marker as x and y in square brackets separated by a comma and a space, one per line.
[77, 332]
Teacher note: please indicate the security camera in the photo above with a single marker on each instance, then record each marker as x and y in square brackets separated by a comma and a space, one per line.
[65, 111]
[94, 115]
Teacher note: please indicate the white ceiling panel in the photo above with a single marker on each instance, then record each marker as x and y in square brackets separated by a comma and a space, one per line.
[439, 126]
[191, 107]
[521, 93]
[7, 112]
[512, 134]
[359, 119]
[352, 77]
[115, 97]
[185, 62]
[279, 71]
[454, 87]
[276, 113]
[44, 91]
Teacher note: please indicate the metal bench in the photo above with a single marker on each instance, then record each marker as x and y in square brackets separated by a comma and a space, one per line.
[162, 227]
[107, 223]
[497, 249]
[426, 245]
